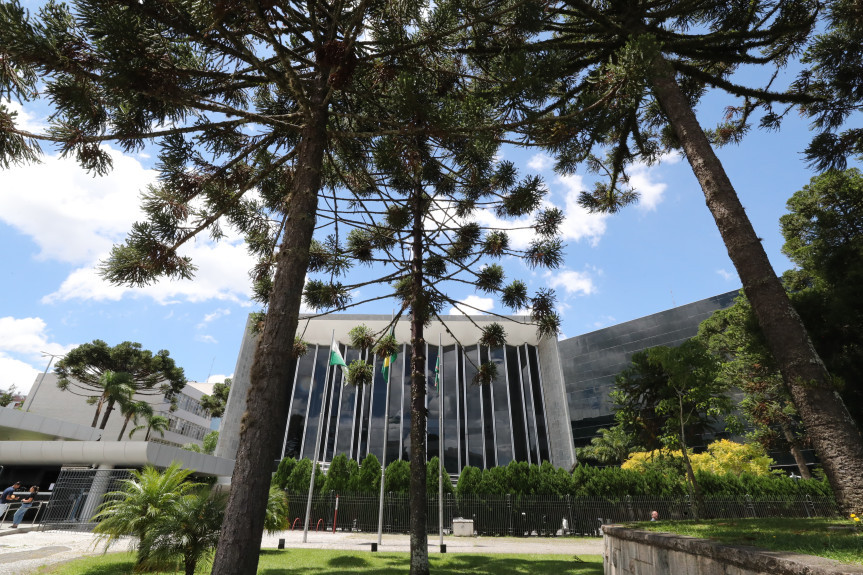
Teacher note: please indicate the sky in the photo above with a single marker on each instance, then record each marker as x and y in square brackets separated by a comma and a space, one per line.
[57, 223]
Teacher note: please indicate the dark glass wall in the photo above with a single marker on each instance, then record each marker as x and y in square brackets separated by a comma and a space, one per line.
[483, 426]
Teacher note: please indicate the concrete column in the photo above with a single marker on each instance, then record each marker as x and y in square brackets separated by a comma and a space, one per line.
[558, 424]
[229, 432]
[101, 480]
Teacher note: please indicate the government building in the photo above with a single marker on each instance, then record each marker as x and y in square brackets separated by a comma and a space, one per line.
[548, 398]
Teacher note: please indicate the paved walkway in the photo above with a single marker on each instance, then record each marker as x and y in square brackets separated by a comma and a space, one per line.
[22, 553]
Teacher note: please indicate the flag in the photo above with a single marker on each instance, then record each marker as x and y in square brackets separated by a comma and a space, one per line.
[437, 372]
[336, 356]
[385, 370]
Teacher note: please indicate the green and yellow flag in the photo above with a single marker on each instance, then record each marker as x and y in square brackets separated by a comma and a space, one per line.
[336, 356]
[389, 361]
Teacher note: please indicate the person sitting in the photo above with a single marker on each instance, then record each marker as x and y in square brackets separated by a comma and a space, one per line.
[8, 496]
[26, 503]
[654, 515]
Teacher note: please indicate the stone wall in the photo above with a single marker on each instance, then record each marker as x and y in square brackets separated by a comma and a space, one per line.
[635, 552]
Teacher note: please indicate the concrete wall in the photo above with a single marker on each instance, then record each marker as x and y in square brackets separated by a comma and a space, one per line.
[636, 552]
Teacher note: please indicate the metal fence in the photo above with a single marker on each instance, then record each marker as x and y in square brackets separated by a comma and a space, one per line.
[30, 516]
[77, 494]
[535, 515]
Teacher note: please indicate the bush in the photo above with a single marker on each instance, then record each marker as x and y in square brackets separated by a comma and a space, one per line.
[432, 478]
[398, 477]
[338, 475]
[283, 473]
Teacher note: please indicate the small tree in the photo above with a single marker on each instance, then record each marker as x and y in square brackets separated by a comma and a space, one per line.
[338, 475]
[208, 445]
[278, 513]
[283, 472]
[189, 530]
[689, 395]
[6, 396]
[142, 502]
[610, 446]
[215, 404]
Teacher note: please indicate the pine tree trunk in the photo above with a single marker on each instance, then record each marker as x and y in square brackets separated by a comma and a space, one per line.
[836, 439]
[419, 537]
[271, 377]
[796, 452]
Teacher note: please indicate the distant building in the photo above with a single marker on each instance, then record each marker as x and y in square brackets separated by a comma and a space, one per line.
[189, 423]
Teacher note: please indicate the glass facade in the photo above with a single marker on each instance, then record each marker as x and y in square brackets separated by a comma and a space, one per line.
[483, 426]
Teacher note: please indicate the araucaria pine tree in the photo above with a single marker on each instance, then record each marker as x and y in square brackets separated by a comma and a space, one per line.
[619, 82]
[429, 211]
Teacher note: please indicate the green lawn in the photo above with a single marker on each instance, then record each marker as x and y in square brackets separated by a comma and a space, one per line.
[807, 536]
[314, 561]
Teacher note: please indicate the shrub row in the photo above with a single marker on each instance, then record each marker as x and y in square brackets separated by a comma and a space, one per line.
[521, 478]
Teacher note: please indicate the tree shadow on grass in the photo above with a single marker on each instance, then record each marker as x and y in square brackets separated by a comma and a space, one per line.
[486, 565]
[453, 564]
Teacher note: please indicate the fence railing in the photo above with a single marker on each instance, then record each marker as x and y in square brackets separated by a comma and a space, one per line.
[30, 516]
[535, 515]
[77, 495]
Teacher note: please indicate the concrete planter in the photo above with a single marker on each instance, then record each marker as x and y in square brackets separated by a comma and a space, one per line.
[635, 552]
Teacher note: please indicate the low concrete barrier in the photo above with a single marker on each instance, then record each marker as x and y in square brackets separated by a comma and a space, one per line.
[636, 552]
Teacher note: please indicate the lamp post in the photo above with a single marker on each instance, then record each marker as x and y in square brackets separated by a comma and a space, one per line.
[51, 357]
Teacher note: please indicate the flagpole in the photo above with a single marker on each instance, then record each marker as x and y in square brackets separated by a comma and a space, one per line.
[384, 452]
[318, 441]
[384, 458]
[440, 440]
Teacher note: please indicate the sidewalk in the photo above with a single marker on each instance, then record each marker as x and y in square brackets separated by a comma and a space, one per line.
[22, 553]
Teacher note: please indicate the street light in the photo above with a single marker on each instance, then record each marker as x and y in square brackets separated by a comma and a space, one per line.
[51, 357]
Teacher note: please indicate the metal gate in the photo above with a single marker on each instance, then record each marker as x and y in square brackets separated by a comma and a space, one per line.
[77, 494]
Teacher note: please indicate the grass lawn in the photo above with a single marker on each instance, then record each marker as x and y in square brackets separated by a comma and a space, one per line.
[317, 561]
[807, 536]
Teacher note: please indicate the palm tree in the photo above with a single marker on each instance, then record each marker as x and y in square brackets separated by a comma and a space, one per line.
[157, 423]
[144, 501]
[134, 410]
[277, 518]
[189, 530]
[611, 446]
[116, 388]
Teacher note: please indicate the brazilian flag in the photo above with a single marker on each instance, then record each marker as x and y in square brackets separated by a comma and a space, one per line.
[389, 361]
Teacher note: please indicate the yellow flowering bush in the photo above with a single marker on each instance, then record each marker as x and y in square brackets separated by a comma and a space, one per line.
[721, 457]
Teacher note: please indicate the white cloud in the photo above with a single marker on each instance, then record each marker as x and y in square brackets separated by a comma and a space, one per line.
[206, 338]
[481, 303]
[15, 372]
[210, 317]
[726, 275]
[219, 378]
[540, 162]
[641, 178]
[580, 223]
[22, 342]
[573, 282]
[221, 275]
[27, 336]
[75, 219]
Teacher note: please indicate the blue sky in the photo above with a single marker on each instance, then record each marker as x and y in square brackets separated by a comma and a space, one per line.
[57, 222]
